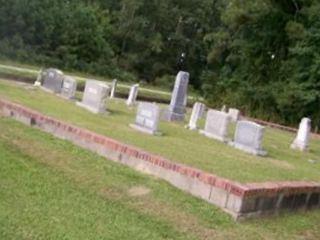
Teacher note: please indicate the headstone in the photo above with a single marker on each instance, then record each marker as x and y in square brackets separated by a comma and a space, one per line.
[301, 141]
[147, 119]
[113, 88]
[95, 96]
[234, 114]
[176, 111]
[37, 83]
[132, 98]
[197, 112]
[224, 108]
[69, 88]
[216, 126]
[248, 138]
[52, 80]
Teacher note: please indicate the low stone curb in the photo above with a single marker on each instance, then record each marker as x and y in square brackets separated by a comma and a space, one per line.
[240, 200]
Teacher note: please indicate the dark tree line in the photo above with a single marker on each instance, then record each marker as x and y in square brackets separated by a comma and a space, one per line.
[262, 56]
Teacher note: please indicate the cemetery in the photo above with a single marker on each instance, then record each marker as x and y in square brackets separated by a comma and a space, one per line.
[158, 120]
[239, 193]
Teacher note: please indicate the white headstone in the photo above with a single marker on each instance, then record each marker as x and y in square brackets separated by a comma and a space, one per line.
[69, 88]
[132, 98]
[52, 80]
[248, 138]
[113, 88]
[197, 112]
[301, 141]
[147, 119]
[95, 96]
[224, 108]
[37, 83]
[234, 114]
[176, 111]
[216, 126]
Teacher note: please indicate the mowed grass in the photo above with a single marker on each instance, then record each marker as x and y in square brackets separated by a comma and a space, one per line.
[51, 189]
[179, 144]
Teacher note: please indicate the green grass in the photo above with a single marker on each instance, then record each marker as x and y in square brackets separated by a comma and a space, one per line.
[51, 189]
[179, 144]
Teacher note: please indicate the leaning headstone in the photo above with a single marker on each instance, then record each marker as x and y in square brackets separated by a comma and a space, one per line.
[95, 96]
[132, 98]
[248, 138]
[234, 114]
[216, 126]
[113, 88]
[301, 141]
[147, 119]
[197, 112]
[69, 88]
[52, 80]
[177, 108]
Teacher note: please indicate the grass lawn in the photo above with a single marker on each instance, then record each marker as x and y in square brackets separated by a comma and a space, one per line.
[51, 189]
[178, 143]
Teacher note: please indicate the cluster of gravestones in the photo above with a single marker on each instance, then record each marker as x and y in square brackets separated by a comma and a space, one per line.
[248, 135]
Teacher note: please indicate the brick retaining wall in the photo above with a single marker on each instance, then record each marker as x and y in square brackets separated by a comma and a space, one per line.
[239, 200]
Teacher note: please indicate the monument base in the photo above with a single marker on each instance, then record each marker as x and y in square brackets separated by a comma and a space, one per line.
[213, 136]
[91, 109]
[192, 128]
[170, 116]
[48, 90]
[67, 97]
[145, 130]
[297, 145]
[254, 151]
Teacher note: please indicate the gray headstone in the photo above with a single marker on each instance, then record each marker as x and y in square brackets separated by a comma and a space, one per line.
[95, 96]
[216, 126]
[113, 88]
[234, 114]
[302, 139]
[133, 94]
[52, 80]
[248, 138]
[197, 112]
[147, 119]
[69, 88]
[177, 108]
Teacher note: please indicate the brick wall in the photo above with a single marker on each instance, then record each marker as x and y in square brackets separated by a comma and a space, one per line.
[239, 200]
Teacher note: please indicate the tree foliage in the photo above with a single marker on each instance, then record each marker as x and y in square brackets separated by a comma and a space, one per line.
[262, 56]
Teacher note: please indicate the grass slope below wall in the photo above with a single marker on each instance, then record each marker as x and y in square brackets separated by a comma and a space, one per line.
[51, 189]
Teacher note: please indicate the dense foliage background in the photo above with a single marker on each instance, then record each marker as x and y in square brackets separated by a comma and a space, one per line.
[262, 56]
